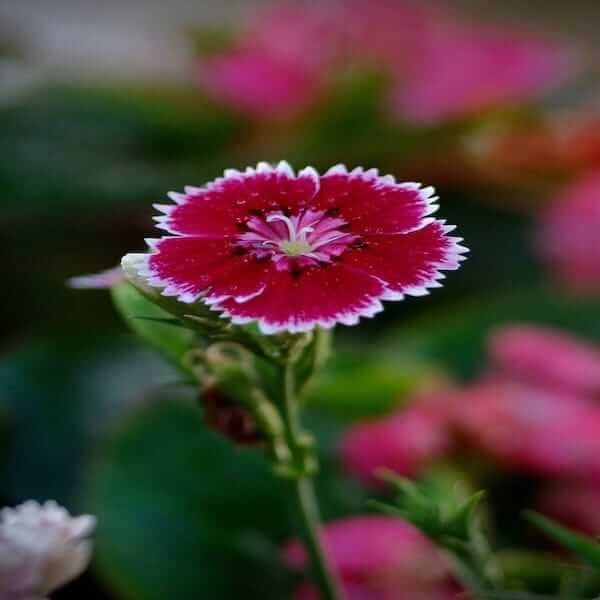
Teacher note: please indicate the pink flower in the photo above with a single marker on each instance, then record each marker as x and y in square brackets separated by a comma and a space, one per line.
[461, 71]
[404, 442]
[98, 281]
[278, 67]
[380, 558]
[542, 431]
[259, 82]
[573, 504]
[294, 251]
[568, 234]
[546, 357]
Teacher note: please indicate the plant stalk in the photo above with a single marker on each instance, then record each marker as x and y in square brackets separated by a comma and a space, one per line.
[305, 496]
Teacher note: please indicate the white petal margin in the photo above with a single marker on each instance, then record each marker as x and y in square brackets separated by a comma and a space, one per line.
[367, 309]
[42, 547]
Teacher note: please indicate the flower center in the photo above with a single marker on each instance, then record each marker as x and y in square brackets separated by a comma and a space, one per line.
[306, 239]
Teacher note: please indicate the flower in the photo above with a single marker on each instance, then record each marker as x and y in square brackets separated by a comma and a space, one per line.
[404, 442]
[98, 281]
[459, 71]
[380, 558]
[41, 548]
[545, 357]
[537, 430]
[295, 251]
[567, 235]
[439, 68]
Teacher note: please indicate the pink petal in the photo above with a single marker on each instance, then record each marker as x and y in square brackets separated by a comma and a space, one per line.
[221, 206]
[320, 296]
[372, 204]
[410, 263]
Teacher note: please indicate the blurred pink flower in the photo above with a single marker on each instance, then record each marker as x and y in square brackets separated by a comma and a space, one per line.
[440, 68]
[259, 82]
[278, 65]
[404, 442]
[568, 234]
[461, 71]
[546, 357]
[380, 558]
[573, 504]
[532, 429]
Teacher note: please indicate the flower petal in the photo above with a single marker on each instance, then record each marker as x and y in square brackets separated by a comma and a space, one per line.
[410, 263]
[192, 267]
[373, 204]
[321, 296]
[218, 209]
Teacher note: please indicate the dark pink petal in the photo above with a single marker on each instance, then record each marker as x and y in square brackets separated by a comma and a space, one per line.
[409, 263]
[546, 357]
[372, 204]
[403, 442]
[380, 558]
[316, 296]
[191, 267]
[260, 81]
[218, 209]
[568, 234]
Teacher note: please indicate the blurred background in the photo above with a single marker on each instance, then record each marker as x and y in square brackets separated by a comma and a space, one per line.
[104, 107]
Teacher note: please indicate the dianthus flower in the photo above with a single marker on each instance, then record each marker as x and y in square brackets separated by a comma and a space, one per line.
[546, 357]
[380, 558]
[568, 234]
[532, 429]
[295, 251]
[404, 442]
[41, 548]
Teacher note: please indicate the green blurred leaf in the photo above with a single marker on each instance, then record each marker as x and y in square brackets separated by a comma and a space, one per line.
[153, 325]
[585, 548]
[183, 514]
[365, 383]
[60, 397]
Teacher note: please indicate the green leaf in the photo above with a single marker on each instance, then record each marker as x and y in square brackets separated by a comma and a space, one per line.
[60, 397]
[153, 325]
[585, 548]
[183, 514]
[363, 383]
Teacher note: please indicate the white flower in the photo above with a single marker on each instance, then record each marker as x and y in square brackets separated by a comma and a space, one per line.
[41, 548]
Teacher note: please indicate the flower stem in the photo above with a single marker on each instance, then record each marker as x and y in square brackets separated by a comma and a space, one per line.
[306, 498]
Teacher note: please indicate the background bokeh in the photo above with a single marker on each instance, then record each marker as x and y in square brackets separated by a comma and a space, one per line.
[104, 107]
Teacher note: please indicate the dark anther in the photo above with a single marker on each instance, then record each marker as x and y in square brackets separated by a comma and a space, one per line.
[332, 212]
[359, 245]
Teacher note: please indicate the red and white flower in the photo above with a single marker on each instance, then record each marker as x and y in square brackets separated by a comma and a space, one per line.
[295, 251]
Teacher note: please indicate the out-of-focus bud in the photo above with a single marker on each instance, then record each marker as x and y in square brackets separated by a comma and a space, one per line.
[572, 504]
[98, 281]
[226, 416]
[404, 442]
[568, 235]
[380, 558]
[41, 548]
[545, 357]
[532, 429]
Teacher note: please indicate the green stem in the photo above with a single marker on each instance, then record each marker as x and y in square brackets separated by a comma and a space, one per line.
[306, 497]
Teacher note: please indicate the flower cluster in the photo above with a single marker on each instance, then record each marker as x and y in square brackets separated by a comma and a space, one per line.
[380, 558]
[534, 411]
[41, 548]
[439, 68]
[292, 251]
